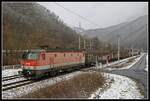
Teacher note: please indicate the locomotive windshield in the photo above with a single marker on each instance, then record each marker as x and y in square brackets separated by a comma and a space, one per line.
[30, 55]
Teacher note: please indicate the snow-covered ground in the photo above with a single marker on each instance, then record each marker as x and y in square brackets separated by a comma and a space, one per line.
[146, 63]
[10, 72]
[121, 88]
[19, 91]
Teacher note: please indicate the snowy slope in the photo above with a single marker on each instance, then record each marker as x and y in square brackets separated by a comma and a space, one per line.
[121, 88]
[146, 63]
[10, 72]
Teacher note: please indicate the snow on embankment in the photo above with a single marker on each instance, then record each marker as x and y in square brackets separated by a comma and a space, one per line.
[121, 88]
[23, 90]
[146, 63]
[10, 72]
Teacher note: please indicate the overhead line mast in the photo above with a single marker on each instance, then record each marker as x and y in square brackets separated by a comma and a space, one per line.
[79, 36]
[118, 46]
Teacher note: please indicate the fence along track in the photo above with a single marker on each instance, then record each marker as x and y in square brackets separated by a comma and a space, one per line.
[11, 67]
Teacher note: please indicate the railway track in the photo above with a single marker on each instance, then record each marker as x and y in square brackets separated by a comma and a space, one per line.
[8, 82]
[16, 84]
[11, 85]
[11, 77]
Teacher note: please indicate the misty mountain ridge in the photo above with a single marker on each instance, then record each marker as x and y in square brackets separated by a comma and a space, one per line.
[132, 33]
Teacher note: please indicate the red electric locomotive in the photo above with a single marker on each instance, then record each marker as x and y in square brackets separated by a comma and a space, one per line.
[37, 63]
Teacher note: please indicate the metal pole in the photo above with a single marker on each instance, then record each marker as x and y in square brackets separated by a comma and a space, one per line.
[79, 41]
[118, 47]
[79, 35]
[90, 44]
[84, 44]
[132, 50]
[96, 62]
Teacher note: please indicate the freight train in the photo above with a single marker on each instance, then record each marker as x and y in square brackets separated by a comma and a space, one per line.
[38, 63]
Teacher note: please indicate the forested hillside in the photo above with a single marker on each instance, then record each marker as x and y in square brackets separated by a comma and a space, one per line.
[30, 25]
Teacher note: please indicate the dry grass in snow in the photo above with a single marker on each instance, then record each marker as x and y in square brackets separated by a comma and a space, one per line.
[80, 86]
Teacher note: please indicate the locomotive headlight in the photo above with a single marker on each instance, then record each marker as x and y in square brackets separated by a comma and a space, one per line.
[22, 66]
[28, 63]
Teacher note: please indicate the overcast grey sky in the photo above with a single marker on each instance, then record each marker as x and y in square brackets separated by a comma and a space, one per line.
[102, 13]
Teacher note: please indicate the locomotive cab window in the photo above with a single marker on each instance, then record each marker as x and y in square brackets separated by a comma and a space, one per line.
[30, 55]
[24, 56]
[43, 56]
